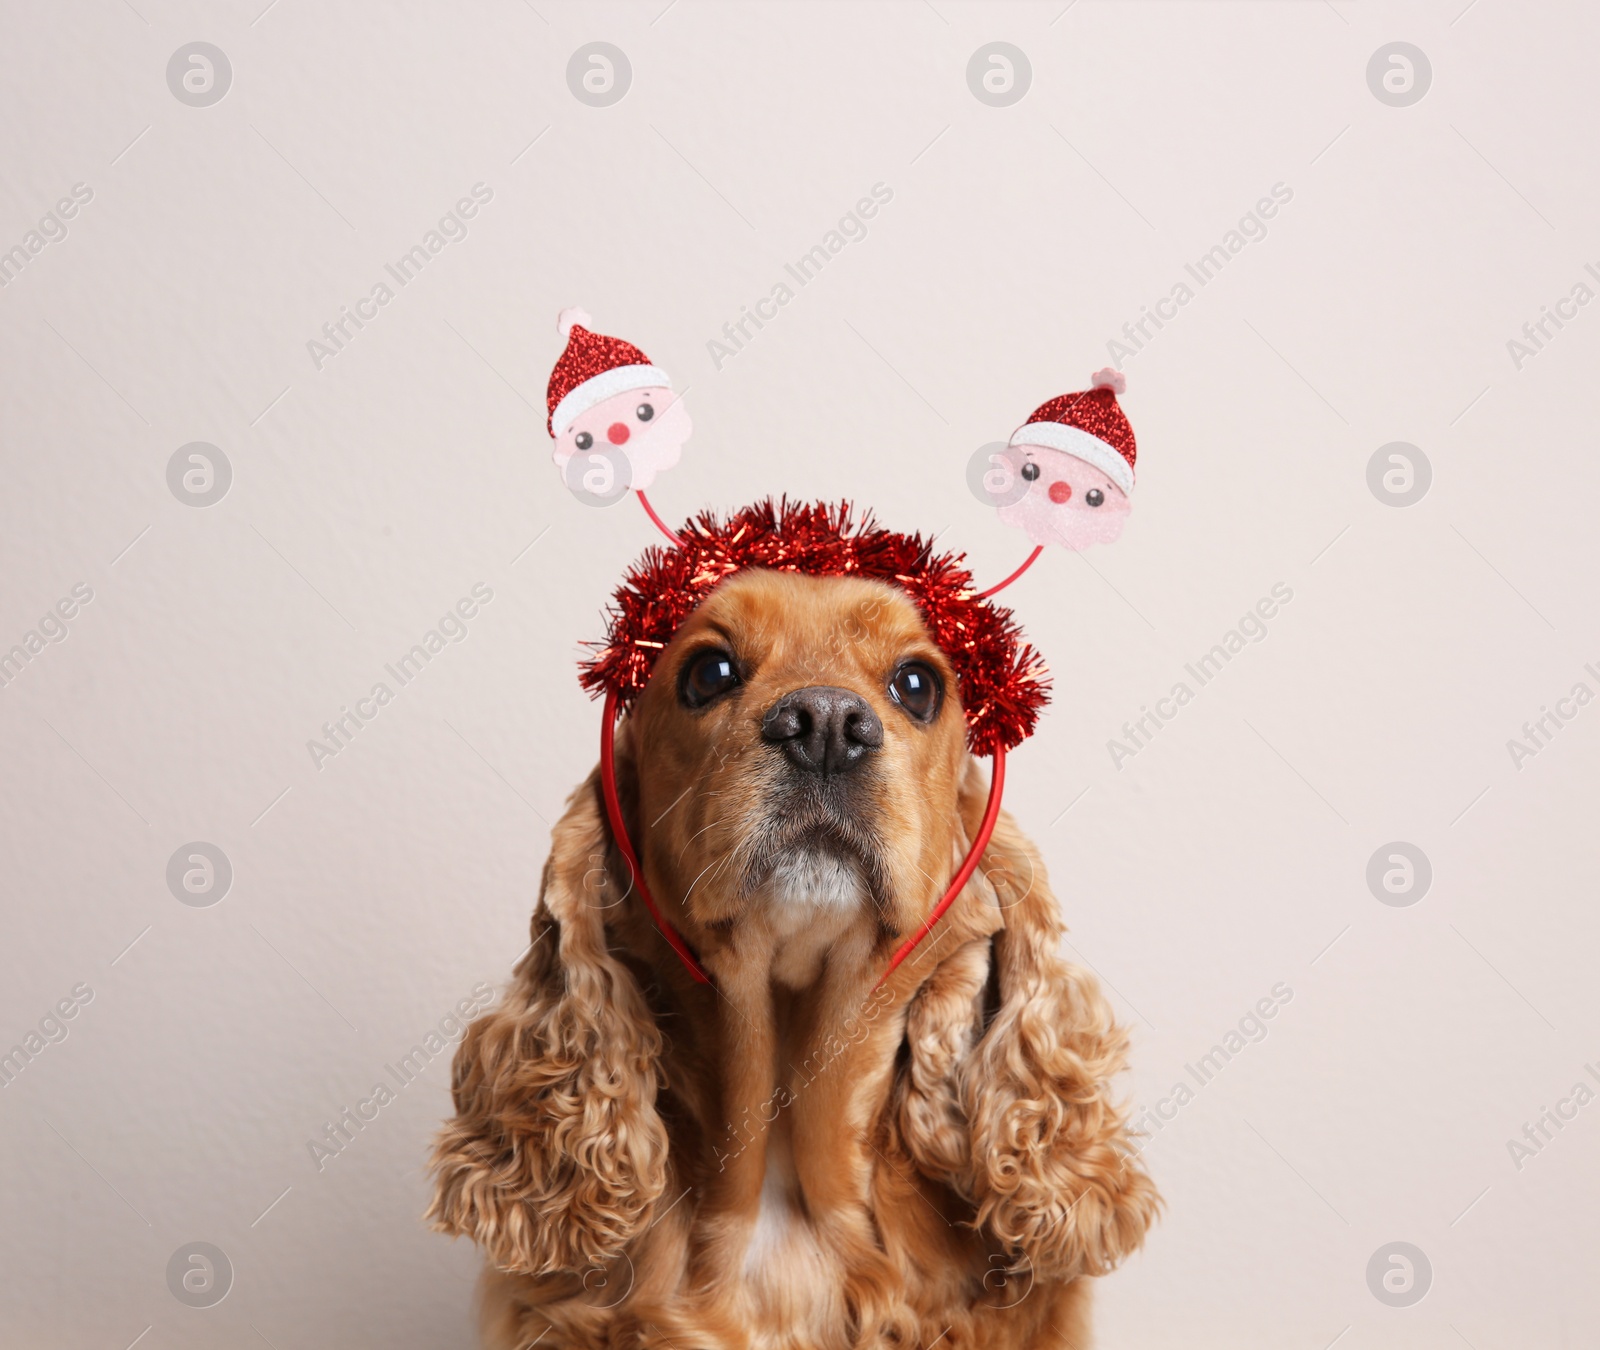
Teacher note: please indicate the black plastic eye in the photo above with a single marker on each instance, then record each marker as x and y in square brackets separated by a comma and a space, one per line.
[916, 688]
[707, 675]
[644, 412]
[1095, 497]
[1030, 471]
[583, 440]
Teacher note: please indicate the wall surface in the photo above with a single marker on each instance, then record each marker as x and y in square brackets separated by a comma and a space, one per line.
[1358, 812]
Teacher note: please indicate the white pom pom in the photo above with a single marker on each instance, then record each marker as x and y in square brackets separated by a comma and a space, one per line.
[573, 314]
[1114, 380]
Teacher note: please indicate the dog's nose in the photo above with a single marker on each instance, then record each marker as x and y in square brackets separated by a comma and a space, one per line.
[823, 729]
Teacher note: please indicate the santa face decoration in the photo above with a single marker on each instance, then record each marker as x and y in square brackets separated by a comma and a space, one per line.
[613, 415]
[638, 432]
[1069, 468]
[1067, 501]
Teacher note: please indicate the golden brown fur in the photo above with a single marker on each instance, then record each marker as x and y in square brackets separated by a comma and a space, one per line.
[791, 1161]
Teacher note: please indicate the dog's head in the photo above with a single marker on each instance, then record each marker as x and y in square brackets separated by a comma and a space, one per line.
[795, 773]
[800, 744]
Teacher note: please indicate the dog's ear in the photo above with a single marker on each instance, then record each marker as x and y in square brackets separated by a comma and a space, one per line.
[1007, 1095]
[556, 1156]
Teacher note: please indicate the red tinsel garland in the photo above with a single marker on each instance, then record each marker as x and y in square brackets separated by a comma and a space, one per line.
[1004, 683]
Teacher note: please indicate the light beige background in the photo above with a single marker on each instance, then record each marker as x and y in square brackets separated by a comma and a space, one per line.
[372, 894]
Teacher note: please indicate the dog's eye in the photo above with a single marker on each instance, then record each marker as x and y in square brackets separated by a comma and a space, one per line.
[916, 688]
[644, 412]
[1095, 497]
[706, 676]
[583, 440]
[1030, 471]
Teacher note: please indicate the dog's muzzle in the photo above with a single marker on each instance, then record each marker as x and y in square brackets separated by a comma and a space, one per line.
[822, 811]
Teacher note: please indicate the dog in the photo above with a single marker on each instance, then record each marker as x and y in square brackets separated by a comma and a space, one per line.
[793, 1157]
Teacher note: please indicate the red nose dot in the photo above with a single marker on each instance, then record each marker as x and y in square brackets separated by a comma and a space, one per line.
[1060, 492]
[617, 433]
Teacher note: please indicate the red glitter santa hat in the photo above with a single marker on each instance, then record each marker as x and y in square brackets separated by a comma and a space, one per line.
[592, 369]
[1089, 426]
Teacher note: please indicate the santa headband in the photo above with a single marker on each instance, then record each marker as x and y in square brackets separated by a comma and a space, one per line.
[1003, 683]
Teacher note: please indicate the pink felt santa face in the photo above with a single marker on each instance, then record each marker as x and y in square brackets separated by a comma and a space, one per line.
[638, 433]
[1068, 470]
[1067, 502]
[613, 416]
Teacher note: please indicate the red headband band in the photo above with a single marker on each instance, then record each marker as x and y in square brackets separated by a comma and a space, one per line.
[1003, 682]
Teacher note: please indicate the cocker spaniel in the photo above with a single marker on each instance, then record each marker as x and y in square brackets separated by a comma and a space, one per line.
[793, 1157]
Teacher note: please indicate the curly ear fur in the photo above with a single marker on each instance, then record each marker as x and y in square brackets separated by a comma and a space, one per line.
[556, 1156]
[1016, 1113]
